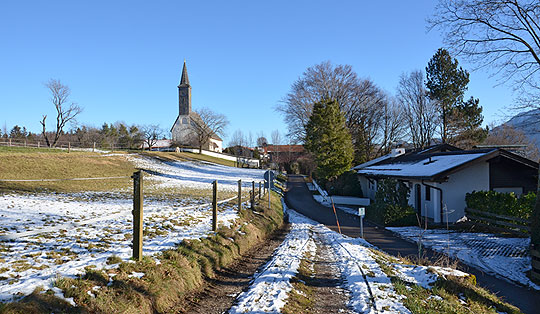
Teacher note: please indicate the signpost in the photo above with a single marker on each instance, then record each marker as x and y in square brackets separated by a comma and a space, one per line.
[361, 213]
[268, 183]
[269, 177]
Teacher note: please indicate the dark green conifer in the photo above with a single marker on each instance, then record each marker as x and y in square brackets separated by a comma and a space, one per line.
[329, 140]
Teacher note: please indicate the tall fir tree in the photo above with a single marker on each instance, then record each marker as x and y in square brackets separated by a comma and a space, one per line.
[465, 124]
[446, 84]
[329, 140]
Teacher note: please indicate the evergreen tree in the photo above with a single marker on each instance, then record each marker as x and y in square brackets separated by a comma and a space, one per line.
[18, 133]
[446, 84]
[329, 140]
[464, 127]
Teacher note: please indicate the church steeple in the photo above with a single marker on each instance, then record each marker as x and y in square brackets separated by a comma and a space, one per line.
[184, 93]
[184, 80]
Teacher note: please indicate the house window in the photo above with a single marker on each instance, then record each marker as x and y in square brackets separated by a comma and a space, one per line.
[428, 193]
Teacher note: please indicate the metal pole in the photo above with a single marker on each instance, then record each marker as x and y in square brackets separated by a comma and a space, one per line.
[239, 194]
[362, 226]
[137, 214]
[361, 214]
[214, 207]
[259, 189]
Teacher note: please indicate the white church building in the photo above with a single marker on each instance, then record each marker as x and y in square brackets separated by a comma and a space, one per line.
[183, 129]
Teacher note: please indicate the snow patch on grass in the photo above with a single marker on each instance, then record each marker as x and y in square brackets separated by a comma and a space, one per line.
[195, 175]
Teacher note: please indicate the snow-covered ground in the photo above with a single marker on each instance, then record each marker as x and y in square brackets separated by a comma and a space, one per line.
[196, 175]
[43, 236]
[269, 290]
[364, 280]
[506, 258]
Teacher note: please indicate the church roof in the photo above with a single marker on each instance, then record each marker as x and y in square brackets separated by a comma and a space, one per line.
[184, 80]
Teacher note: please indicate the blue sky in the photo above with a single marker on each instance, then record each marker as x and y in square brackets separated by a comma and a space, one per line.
[123, 59]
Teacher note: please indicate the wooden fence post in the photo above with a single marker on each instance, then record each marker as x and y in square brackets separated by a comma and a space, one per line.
[259, 189]
[69, 147]
[214, 207]
[38, 144]
[252, 195]
[239, 194]
[9, 142]
[94, 147]
[137, 214]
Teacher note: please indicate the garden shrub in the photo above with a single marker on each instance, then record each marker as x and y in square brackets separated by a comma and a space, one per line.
[346, 184]
[507, 204]
[391, 206]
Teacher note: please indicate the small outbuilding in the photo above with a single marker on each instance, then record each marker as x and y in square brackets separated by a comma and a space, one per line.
[439, 177]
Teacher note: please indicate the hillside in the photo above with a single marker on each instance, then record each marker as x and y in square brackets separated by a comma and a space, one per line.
[528, 123]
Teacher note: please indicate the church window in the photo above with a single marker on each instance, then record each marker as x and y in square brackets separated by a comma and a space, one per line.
[184, 121]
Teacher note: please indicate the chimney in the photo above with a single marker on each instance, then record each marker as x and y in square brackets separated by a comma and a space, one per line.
[395, 152]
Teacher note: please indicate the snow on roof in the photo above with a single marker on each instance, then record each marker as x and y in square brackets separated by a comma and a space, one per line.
[426, 167]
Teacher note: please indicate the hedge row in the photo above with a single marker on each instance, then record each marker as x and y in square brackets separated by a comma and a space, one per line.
[507, 204]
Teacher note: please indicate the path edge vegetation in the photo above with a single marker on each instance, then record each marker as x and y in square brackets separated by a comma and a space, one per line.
[169, 279]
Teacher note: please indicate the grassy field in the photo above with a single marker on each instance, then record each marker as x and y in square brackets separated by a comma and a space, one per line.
[167, 280]
[33, 164]
[19, 163]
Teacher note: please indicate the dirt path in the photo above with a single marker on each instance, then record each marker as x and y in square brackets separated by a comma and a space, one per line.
[221, 291]
[329, 296]
[316, 286]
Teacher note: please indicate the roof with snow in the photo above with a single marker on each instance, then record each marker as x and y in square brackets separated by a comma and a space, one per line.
[433, 164]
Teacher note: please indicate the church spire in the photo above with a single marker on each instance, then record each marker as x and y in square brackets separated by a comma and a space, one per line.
[184, 80]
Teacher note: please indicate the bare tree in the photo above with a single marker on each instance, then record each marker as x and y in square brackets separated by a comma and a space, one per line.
[507, 135]
[392, 125]
[276, 137]
[207, 124]
[500, 34]
[359, 100]
[238, 139]
[261, 139]
[326, 81]
[66, 111]
[420, 113]
[151, 134]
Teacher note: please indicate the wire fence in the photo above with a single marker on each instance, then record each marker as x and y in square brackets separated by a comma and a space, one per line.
[63, 145]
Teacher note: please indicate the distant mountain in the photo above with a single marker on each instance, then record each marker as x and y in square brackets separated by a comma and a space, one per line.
[528, 123]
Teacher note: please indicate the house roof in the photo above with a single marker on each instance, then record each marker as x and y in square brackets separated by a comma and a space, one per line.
[435, 166]
[284, 148]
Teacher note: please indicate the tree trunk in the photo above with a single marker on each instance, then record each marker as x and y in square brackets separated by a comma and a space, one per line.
[44, 132]
[535, 219]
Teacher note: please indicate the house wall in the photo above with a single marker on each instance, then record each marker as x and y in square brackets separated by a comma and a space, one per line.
[216, 145]
[369, 187]
[473, 178]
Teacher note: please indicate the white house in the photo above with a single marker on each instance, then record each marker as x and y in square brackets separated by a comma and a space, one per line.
[439, 177]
